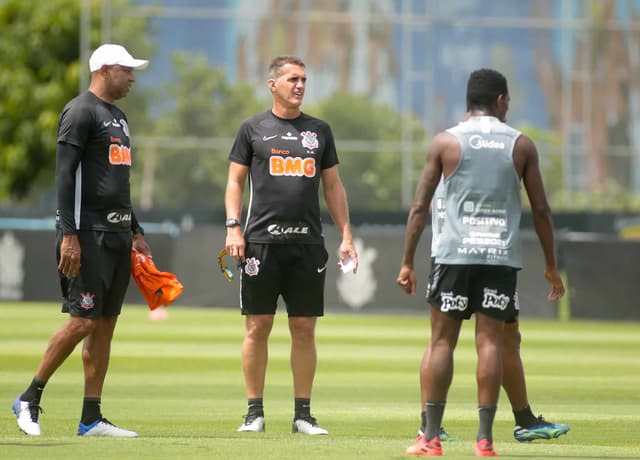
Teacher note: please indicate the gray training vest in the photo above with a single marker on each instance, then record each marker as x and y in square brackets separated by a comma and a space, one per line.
[478, 207]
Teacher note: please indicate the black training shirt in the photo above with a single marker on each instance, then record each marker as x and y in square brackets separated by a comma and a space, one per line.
[285, 158]
[92, 167]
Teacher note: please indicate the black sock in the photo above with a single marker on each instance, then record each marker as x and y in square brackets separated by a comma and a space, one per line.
[525, 417]
[487, 414]
[435, 412]
[90, 410]
[255, 407]
[34, 392]
[423, 421]
[302, 408]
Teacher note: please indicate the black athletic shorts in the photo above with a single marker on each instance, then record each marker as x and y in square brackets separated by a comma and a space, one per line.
[294, 271]
[105, 271]
[515, 303]
[461, 290]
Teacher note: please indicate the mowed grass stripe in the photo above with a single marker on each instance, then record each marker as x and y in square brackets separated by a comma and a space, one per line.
[179, 383]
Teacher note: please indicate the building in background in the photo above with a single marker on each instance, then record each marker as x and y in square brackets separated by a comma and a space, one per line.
[572, 65]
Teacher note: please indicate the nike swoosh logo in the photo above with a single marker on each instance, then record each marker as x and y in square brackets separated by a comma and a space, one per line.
[321, 269]
[267, 138]
[106, 123]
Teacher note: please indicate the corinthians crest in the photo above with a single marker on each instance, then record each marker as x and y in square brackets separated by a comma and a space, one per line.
[309, 140]
[87, 302]
[251, 266]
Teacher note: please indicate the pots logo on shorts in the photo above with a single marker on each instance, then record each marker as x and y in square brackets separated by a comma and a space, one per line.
[87, 301]
[251, 266]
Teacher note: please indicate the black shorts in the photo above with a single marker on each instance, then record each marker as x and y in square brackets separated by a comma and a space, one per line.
[294, 271]
[105, 271]
[461, 290]
[515, 303]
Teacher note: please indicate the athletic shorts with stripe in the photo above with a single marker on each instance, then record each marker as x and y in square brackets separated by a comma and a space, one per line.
[105, 271]
[294, 271]
[461, 290]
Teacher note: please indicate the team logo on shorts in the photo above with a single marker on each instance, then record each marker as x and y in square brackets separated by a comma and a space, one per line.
[492, 299]
[87, 301]
[251, 266]
[451, 302]
[309, 140]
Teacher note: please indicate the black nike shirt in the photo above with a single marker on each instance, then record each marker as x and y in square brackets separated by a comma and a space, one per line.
[93, 163]
[285, 159]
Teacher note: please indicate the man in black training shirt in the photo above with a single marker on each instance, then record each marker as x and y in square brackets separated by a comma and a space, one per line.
[95, 232]
[286, 154]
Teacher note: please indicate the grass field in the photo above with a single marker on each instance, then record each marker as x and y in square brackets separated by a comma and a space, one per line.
[179, 384]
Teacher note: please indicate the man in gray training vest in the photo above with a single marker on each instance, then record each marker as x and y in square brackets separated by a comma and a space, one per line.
[481, 162]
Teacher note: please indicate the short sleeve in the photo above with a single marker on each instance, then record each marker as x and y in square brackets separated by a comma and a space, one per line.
[241, 151]
[330, 154]
[75, 125]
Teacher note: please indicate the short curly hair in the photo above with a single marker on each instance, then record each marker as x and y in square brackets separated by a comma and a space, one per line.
[484, 87]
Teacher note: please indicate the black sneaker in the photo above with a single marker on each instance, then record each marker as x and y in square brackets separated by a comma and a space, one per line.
[540, 430]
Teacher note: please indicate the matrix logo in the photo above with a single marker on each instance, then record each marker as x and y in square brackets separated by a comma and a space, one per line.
[11, 267]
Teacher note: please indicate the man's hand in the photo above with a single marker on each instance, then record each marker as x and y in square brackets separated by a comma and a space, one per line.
[70, 256]
[348, 250]
[557, 287]
[407, 280]
[235, 243]
[140, 245]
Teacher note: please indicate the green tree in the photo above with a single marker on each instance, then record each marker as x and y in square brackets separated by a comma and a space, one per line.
[369, 142]
[182, 165]
[549, 144]
[185, 158]
[39, 55]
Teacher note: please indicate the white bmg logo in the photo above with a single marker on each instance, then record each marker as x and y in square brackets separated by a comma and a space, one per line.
[453, 302]
[492, 299]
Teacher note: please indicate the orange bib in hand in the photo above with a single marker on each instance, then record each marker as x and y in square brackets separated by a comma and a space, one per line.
[158, 288]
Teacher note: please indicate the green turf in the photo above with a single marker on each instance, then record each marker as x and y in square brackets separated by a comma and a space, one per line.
[179, 384]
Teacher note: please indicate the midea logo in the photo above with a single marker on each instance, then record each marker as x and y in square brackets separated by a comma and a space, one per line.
[477, 142]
